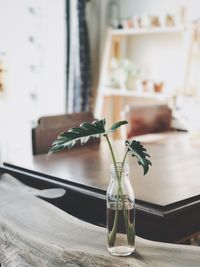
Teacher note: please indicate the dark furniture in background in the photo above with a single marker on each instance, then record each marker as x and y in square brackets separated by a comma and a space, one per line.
[50, 127]
[167, 199]
[147, 119]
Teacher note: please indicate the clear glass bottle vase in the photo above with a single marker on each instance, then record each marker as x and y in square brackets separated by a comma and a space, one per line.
[120, 212]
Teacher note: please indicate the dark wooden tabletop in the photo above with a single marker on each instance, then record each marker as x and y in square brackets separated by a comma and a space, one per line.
[173, 177]
[167, 198]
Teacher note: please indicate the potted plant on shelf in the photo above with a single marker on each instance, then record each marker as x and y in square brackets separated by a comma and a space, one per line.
[120, 196]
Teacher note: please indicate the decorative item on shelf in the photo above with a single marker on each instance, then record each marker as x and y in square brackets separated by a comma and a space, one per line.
[145, 21]
[136, 22]
[120, 197]
[158, 87]
[124, 74]
[113, 14]
[1, 76]
[2, 71]
[170, 20]
[127, 24]
[160, 20]
[183, 16]
[147, 86]
[155, 21]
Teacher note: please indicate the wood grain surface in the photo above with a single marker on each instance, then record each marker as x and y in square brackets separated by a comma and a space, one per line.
[36, 233]
[173, 177]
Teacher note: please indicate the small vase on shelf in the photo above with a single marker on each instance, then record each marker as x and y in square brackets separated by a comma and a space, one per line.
[120, 212]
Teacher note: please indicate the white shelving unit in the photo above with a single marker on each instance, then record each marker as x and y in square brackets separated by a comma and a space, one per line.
[114, 38]
[125, 32]
[131, 93]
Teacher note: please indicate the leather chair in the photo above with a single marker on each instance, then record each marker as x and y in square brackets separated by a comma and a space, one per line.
[147, 119]
[50, 127]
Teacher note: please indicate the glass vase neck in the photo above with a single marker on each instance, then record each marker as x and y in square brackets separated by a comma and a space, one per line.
[119, 167]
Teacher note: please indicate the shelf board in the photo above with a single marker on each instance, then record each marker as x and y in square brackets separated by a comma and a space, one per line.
[148, 31]
[132, 93]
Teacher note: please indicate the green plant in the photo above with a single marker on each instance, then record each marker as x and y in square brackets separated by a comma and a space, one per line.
[96, 129]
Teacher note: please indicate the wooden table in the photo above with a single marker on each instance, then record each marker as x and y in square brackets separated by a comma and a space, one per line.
[35, 233]
[168, 198]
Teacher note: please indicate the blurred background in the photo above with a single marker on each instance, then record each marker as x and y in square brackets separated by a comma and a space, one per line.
[103, 56]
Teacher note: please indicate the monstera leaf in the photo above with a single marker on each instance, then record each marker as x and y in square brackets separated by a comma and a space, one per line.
[82, 133]
[138, 151]
[117, 125]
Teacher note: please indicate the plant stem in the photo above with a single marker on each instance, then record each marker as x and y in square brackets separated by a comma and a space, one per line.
[112, 234]
[125, 155]
[112, 154]
[129, 226]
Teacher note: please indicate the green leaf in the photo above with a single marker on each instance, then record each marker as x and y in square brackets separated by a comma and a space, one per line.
[82, 133]
[137, 150]
[117, 125]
